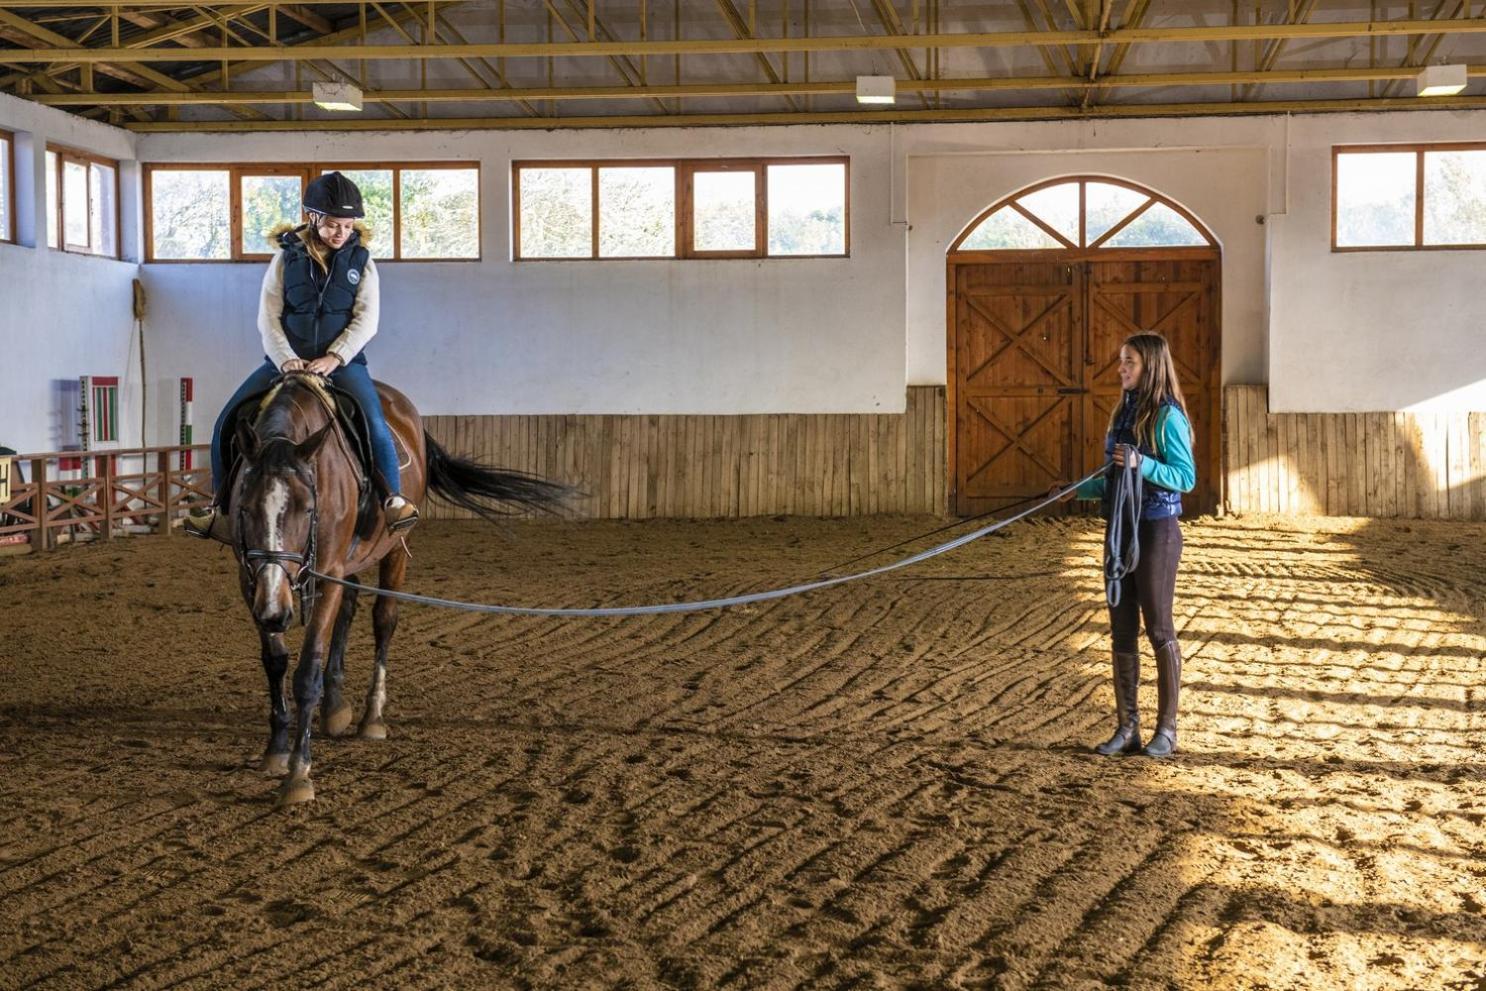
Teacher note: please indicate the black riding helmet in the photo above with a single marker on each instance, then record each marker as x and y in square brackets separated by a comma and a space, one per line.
[333, 195]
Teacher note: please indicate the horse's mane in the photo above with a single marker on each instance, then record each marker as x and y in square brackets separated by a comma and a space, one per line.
[276, 422]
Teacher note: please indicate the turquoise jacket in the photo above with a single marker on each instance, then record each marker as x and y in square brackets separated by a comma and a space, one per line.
[1170, 466]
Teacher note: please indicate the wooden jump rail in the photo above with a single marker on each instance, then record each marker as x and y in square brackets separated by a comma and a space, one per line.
[109, 502]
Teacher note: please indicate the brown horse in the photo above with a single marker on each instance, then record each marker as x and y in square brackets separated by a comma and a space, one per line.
[296, 507]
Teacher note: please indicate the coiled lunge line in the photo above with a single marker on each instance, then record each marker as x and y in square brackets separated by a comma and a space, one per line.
[736, 600]
[1122, 546]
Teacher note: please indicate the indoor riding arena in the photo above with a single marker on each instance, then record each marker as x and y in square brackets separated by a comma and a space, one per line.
[810, 429]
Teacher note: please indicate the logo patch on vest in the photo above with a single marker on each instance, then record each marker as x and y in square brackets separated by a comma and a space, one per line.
[354, 276]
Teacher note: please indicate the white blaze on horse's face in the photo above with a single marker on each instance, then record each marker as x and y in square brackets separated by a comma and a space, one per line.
[274, 594]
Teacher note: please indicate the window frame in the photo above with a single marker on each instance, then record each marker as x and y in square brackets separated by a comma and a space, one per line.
[1418, 149]
[685, 171]
[87, 159]
[7, 162]
[1097, 248]
[237, 171]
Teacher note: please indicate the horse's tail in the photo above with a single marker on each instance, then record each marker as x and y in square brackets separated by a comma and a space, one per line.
[490, 492]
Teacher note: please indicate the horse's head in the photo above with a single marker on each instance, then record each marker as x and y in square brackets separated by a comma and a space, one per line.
[276, 516]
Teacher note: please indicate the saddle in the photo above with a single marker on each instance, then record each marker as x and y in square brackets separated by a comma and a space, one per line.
[343, 409]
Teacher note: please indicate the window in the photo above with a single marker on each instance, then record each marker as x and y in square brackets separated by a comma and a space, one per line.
[7, 186]
[1393, 197]
[689, 208]
[82, 198]
[424, 212]
[1083, 213]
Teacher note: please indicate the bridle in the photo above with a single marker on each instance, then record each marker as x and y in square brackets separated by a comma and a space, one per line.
[255, 559]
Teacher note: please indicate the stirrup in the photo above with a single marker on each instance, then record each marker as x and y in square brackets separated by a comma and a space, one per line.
[201, 521]
[402, 518]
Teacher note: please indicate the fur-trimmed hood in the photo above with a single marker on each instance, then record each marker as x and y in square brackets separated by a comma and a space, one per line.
[285, 228]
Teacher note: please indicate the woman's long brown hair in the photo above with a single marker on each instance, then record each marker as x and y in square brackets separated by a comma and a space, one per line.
[1157, 385]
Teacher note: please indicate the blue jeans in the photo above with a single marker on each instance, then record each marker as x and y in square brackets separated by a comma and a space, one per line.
[353, 379]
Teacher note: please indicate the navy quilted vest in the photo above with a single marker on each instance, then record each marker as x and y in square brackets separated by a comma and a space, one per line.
[1159, 503]
[317, 306]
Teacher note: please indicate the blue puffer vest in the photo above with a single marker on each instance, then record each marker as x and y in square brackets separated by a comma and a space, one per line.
[315, 311]
[1158, 503]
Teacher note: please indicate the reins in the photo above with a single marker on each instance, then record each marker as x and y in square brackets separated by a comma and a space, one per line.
[703, 604]
[1122, 529]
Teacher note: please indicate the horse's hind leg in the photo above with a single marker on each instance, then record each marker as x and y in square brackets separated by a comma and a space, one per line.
[384, 623]
[335, 712]
[275, 663]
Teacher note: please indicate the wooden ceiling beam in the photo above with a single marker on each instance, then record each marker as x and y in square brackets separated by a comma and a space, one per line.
[1156, 80]
[174, 31]
[747, 46]
[898, 116]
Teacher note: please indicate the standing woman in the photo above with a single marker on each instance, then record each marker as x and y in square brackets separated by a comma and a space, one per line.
[317, 311]
[1150, 431]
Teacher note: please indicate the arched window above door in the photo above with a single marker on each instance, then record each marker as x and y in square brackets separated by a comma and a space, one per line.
[1084, 213]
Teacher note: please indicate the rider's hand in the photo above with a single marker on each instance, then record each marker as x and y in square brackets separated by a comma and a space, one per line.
[292, 365]
[324, 365]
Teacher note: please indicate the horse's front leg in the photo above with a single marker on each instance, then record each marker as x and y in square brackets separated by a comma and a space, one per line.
[275, 663]
[308, 684]
[384, 622]
[335, 711]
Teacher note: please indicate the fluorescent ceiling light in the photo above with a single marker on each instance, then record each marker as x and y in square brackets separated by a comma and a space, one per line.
[336, 96]
[876, 89]
[1440, 80]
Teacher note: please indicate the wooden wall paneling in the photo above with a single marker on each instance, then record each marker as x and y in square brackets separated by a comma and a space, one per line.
[1291, 464]
[1473, 466]
[1406, 454]
[1235, 427]
[1387, 465]
[1368, 458]
[912, 469]
[1357, 464]
[1457, 474]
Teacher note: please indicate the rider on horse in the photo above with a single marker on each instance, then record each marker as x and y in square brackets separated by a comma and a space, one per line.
[317, 311]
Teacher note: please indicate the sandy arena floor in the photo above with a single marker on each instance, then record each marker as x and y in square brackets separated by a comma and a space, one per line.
[879, 786]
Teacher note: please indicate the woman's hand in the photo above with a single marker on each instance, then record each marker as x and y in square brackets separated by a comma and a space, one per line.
[1123, 453]
[324, 365]
[1066, 496]
[292, 365]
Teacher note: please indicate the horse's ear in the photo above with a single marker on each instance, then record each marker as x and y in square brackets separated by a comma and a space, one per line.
[247, 439]
[307, 448]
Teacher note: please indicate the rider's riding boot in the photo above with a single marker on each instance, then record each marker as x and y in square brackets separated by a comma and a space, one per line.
[209, 523]
[401, 514]
[1168, 685]
[1126, 739]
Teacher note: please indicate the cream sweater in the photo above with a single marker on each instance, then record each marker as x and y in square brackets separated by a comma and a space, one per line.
[361, 329]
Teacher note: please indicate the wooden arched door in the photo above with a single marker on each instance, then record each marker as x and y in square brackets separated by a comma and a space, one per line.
[1042, 290]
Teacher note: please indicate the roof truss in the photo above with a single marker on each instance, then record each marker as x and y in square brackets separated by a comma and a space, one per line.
[229, 63]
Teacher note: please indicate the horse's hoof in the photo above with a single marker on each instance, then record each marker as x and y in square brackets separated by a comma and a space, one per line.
[373, 730]
[337, 722]
[294, 791]
[275, 765]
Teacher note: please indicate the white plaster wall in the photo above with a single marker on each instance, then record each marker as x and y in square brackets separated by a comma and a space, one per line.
[1219, 170]
[61, 315]
[1330, 332]
[495, 336]
[1370, 331]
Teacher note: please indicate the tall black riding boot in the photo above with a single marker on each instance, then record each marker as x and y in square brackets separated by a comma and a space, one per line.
[1126, 739]
[1168, 687]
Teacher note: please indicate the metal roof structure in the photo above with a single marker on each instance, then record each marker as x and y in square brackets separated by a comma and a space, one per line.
[174, 65]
